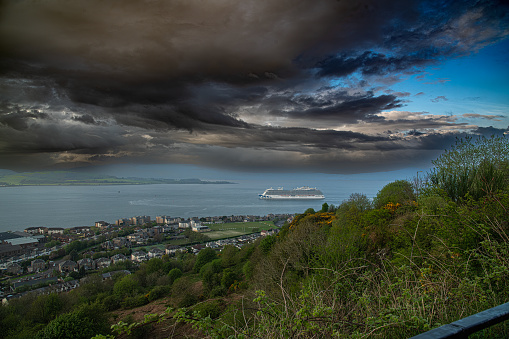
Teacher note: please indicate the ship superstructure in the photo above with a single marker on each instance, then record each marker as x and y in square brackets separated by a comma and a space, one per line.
[296, 193]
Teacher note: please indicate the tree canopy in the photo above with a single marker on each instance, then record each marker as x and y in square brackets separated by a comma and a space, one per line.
[477, 167]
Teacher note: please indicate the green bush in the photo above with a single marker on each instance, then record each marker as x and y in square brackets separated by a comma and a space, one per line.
[135, 301]
[83, 323]
[174, 274]
[211, 309]
[158, 292]
[397, 192]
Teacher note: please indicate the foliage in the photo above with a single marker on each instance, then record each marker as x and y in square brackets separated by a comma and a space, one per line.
[128, 286]
[174, 274]
[204, 256]
[267, 243]
[397, 192]
[84, 322]
[195, 237]
[477, 167]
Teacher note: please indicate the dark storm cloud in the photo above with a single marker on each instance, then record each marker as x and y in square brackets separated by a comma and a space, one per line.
[491, 131]
[340, 106]
[369, 63]
[18, 118]
[176, 79]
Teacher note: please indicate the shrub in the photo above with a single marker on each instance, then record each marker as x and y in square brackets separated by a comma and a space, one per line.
[397, 192]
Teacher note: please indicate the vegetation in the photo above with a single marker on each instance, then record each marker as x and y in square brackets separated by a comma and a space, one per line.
[391, 268]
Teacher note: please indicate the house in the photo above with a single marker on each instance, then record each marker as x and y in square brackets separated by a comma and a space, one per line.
[108, 245]
[121, 242]
[110, 275]
[37, 265]
[197, 248]
[139, 256]
[80, 230]
[118, 258]
[86, 263]
[14, 269]
[67, 266]
[173, 249]
[36, 230]
[102, 263]
[155, 253]
[55, 230]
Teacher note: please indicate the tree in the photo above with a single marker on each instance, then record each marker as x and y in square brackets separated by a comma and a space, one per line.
[46, 308]
[267, 243]
[85, 322]
[206, 255]
[228, 255]
[127, 286]
[174, 274]
[359, 202]
[476, 167]
[397, 192]
[325, 207]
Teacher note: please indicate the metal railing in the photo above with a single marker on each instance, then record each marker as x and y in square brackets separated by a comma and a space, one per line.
[469, 325]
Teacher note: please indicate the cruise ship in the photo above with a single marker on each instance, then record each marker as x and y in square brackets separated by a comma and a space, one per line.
[296, 193]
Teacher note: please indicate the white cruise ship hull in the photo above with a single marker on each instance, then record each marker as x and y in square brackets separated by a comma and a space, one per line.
[300, 193]
[291, 197]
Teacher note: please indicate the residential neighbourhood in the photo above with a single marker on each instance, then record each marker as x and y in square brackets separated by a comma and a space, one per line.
[36, 259]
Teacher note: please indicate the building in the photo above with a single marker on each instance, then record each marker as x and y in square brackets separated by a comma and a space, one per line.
[123, 222]
[161, 220]
[118, 258]
[200, 228]
[36, 230]
[140, 220]
[9, 250]
[139, 256]
[26, 243]
[102, 263]
[173, 249]
[67, 266]
[121, 242]
[14, 269]
[55, 230]
[86, 263]
[80, 230]
[155, 253]
[101, 224]
[37, 265]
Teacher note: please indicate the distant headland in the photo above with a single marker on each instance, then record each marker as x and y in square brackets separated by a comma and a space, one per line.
[69, 178]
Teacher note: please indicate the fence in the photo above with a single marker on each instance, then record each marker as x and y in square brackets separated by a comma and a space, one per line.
[469, 325]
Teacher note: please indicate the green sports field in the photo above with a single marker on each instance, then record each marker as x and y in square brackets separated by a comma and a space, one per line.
[234, 229]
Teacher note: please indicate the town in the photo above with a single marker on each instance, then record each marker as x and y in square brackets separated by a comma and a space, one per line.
[44, 260]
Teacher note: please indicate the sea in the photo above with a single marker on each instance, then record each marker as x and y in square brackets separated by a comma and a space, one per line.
[70, 206]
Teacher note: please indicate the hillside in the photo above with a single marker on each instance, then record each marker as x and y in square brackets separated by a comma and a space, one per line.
[70, 178]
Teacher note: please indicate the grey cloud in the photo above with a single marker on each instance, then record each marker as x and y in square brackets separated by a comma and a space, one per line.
[483, 116]
[439, 98]
[86, 118]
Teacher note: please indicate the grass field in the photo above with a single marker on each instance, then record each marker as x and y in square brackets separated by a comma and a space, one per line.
[235, 229]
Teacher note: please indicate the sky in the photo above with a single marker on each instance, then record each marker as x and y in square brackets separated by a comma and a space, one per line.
[323, 86]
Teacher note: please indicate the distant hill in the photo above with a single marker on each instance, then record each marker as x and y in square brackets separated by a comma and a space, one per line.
[69, 178]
